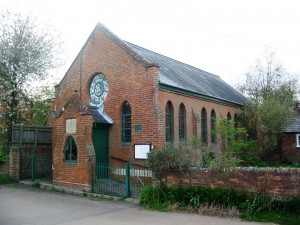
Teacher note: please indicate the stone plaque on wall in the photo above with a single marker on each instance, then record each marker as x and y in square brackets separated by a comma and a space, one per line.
[71, 126]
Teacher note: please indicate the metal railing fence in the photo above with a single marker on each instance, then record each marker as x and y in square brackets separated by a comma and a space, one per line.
[125, 180]
[34, 166]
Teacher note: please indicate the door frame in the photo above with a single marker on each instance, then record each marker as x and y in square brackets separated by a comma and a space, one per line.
[106, 127]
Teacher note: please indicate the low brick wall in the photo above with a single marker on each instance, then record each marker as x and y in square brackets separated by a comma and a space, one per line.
[14, 157]
[277, 182]
[4, 168]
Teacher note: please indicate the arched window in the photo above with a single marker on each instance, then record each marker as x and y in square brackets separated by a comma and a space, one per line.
[213, 127]
[181, 117]
[228, 116]
[169, 122]
[204, 126]
[126, 123]
[70, 151]
[235, 120]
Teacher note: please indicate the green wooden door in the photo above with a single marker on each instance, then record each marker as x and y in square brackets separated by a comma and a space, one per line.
[101, 146]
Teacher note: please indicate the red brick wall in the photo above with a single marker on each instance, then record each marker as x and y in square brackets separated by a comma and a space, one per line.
[14, 156]
[129, 80]
[4, 168]
[289, 150]
[72, 174]
[193, 108]
[277, 182]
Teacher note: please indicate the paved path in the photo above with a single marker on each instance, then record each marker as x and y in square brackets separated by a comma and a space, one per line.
[19, 206]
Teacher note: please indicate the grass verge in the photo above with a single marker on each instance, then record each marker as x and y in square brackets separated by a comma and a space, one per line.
[222, 202]
[281, 218]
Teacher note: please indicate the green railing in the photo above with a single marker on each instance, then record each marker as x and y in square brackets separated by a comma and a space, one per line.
[34, 166]
[125, 180]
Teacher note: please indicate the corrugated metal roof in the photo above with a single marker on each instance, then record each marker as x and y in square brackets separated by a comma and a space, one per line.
[293, 125]
[183, 76]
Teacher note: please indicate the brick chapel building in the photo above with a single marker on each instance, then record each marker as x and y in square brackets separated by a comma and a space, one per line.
[118, 100]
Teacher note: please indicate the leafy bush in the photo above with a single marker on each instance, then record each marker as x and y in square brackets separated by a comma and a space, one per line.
[262, 203]
[236, 149]
[6, 179]
[36, 183]
[292, 205]
[176, 158]
[191, 195]
[4, 151]
[209, 200]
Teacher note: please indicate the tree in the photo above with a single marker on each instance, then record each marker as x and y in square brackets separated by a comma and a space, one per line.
[27, 54]
[237, 149]
[272, 93]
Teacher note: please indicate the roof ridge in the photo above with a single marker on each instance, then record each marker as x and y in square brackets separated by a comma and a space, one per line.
[123, 44]
[175, 60]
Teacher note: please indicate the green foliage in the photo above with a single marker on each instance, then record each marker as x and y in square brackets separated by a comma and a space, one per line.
[257, 207]
[6, 179]
[265, 209]
[195, 201]
[191, 195]
[272, 93]
[236, 148]
[177, 158]
[27, 53]
[36, 183]
[276, 217]
[257, 204]
[40, 111]
[4, 151]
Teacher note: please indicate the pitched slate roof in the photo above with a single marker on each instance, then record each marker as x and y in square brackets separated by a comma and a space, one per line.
[181, 76]
[188, 78]
[293, 124]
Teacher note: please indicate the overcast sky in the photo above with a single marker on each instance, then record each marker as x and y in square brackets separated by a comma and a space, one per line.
[221, 37]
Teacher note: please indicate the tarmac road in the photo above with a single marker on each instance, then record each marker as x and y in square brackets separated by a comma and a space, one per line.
[27, 206]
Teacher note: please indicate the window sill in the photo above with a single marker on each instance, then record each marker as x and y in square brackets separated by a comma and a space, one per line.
[69, 161]
[126, 143]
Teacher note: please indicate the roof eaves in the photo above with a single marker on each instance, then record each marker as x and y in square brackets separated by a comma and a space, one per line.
[199, 95]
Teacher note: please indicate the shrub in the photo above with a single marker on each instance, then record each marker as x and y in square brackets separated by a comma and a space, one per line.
[222, 202]
[36, 183]
[191, 195]
[6, 179]
[4, 151]
[236, 149]
[176, 158]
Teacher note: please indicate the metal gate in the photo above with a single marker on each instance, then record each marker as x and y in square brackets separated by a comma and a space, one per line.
[34, 166]
[125, 181]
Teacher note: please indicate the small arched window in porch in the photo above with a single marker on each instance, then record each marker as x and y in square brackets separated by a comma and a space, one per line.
[70, 150]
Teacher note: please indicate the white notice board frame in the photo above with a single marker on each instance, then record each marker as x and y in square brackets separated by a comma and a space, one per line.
[141, 151]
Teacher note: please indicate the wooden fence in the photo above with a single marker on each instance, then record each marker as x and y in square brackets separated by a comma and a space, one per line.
[31, 135]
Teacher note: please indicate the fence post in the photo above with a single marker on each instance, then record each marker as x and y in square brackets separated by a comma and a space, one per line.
[21, 134]
[33, 167]
[92, 178]
[35, 136]
[127, 180]
[20, 164]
